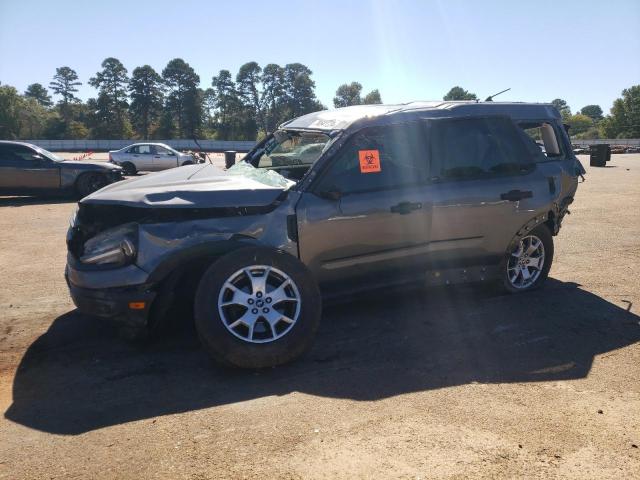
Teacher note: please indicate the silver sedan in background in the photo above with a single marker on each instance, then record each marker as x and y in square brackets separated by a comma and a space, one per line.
[149, 157]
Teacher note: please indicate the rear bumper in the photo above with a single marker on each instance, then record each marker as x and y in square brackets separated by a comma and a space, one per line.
[123, 305]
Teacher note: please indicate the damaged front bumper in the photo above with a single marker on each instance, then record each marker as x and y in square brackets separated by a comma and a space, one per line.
[129, 306]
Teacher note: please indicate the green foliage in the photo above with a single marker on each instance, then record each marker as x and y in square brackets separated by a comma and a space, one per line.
[590, 134]
[65, 83]
[563, 108]
[147, 93]
[10, 107]
[592, 111]
[299, 91]
[183, 100]
[624, 120]
[273, 96]
[39, 94]
[372, 98]
[33, 118]
[348, 94]
[459, 93]
[579, 123]
[110, 117]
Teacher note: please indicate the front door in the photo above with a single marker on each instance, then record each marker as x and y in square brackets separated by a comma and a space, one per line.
[142, 157]
[484, 185]
[368, 215]
[163, 158]
[24, 170]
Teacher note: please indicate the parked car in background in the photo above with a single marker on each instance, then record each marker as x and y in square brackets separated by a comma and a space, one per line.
[332, 203]
[27, 169]
[150, 157]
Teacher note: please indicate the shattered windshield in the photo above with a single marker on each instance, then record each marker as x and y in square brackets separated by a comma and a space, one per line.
[267, 177]
[291, 153]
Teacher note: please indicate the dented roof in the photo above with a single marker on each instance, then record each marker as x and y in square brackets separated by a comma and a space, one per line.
[343, 118]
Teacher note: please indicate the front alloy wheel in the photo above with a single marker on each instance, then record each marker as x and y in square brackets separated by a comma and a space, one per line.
[257, 307]
[259, 304]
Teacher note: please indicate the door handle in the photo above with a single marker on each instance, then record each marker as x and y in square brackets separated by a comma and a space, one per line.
[515, 195]
[405, 207]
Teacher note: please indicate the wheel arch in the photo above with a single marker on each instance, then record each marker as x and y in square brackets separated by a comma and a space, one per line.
[202, 253]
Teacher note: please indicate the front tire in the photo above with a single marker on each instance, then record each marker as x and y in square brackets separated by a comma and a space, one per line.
[88, 183]
[257, 308]
[527, 262]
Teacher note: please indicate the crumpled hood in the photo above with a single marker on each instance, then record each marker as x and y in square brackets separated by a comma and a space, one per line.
[192, 186]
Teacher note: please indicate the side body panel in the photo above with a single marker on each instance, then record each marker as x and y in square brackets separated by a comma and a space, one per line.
[360, 234]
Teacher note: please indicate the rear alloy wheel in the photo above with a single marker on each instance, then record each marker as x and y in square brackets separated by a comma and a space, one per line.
[527, 264]
[88, 183]
[257, 308]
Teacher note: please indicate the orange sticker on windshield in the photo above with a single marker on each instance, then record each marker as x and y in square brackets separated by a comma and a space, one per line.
[369, 161]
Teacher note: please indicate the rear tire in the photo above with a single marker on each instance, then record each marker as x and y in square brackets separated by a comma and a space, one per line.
[232, 296]
[527, 262]
[129, 169]
[87, 183]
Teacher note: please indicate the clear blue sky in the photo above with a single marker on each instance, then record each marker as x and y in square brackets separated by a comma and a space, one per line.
[582, 51]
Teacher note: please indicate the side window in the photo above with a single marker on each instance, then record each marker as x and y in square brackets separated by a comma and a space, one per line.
[5, 156]
[379, 158]
[144, 149]
[472, 148]
[544, 135]
[16, 154]
[133, 150]
[159, 150]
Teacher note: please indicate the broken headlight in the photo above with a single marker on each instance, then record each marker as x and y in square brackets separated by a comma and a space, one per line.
[116, 246]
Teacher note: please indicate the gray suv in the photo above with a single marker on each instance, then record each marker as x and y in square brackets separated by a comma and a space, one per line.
[332, 203]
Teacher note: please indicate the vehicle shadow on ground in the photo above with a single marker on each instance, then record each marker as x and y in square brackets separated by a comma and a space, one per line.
[40, 200]
[79, 376]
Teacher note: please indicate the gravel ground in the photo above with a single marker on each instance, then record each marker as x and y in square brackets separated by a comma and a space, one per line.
[440, 383]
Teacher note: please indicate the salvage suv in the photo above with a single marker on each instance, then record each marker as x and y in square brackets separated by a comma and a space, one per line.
[331, 203]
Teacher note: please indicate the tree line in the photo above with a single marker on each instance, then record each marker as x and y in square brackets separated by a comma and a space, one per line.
[170, 104]
[589, 122]
[173, 104]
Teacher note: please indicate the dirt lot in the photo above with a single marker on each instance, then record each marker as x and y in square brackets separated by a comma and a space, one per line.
[450, 383]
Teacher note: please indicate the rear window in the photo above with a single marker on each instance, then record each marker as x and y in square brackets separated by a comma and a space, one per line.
[471, 148]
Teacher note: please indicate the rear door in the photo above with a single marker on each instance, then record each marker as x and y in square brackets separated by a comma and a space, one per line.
[368, 214]
[484, 185]
[22, 169]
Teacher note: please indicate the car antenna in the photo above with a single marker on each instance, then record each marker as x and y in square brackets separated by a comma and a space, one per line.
[490, 97]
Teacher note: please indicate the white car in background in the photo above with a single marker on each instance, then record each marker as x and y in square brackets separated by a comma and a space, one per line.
[149, 157]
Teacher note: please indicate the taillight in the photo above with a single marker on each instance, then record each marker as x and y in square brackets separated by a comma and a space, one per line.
[110, 158]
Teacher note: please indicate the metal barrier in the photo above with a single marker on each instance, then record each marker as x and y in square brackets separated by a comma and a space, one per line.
[103, 145]
[610, 141]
